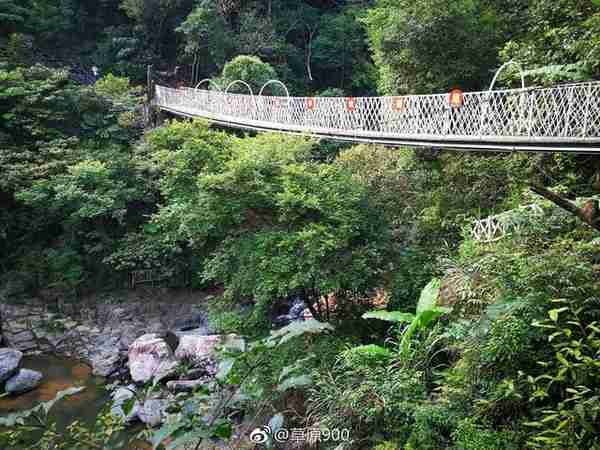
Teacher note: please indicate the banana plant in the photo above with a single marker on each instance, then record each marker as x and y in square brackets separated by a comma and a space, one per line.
[427, 312]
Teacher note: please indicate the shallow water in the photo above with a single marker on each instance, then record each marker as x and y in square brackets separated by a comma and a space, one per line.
[60, 374]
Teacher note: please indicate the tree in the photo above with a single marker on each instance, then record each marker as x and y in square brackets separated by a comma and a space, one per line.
[66, 172]
[339, 54]
[153, 18]
[432, 45]
[249, 69]
[207, 37]
[272, 223]
[560, 42]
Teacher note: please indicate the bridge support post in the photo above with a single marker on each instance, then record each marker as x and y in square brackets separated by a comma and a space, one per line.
[155, 116]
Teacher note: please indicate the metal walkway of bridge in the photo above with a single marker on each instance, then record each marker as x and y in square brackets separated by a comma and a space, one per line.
[564, 118]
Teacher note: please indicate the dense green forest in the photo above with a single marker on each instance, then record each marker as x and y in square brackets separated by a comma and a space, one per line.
[422, 335]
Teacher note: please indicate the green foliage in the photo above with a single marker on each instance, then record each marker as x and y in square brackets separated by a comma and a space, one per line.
[470, 436]
[296, 329]
[104, 434]
[431, 45]
[66, 170]
[427, 312]
[413, 270]
[112, 86]
[566, 390]
[273, 217]
[386, 446]
[206, 31]
[338, 53]
[240, 373]
[154, 18]
[12, 12]
[433, 427]
[249, 69]
[559, 43]
[226, 317]
[271, 222]
[365, 398]
[366, 356]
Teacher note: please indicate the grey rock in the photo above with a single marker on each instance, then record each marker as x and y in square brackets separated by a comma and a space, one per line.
[10, 360]
[119, 397]
[25, 380]
[184, 385]
[193, 321]
[150, 357]
[196, 348]
[105, 364]
[151, 412]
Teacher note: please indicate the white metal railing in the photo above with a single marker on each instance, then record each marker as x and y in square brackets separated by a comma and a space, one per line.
[494, 228]
[568, 114]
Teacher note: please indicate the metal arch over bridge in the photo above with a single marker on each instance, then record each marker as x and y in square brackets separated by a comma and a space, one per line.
[564, 118]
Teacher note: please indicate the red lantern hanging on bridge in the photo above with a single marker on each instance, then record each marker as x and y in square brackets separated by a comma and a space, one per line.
[311, 103]
[276, 103]
[351, 104]
[456, 98]
[399, 104]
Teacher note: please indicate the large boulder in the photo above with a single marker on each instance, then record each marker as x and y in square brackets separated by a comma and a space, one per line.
[25, 380]
[150, 357]
[10, 360]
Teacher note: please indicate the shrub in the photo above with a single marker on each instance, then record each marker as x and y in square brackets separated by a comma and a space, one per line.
[365, 398]
[386, 446]
[249, 69]
[364, 357]
[566, 391]
[112, 86]
[471, 436]
[433, 427]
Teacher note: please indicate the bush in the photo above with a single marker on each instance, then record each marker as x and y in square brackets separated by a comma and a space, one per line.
[112, 87]
[565, 391]
[226, 317]
[470, 436]
[366, 398]
[365, 357]
[249, 69]
[434, 424]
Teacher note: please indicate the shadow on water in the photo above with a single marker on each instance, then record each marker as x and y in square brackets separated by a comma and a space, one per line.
[60, 374]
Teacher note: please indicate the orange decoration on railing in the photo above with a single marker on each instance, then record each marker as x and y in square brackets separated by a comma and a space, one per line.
[311, 103]
[351, 104]
[456, 98]
[399, 104]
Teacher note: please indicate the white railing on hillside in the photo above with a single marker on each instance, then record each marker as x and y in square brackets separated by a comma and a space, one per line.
[494, 228]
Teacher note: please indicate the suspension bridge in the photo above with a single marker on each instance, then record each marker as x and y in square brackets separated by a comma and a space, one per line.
[563, 118]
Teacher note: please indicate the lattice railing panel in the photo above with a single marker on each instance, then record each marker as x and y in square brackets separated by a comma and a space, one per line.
[565, 113]
[493, 228]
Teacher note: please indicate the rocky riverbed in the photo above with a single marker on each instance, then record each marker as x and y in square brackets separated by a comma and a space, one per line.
[128, 344]
[101, 334]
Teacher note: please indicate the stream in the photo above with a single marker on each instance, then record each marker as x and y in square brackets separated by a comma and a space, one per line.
[60, 374]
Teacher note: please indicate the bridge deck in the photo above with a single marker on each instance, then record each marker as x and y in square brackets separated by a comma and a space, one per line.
[564, 118]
